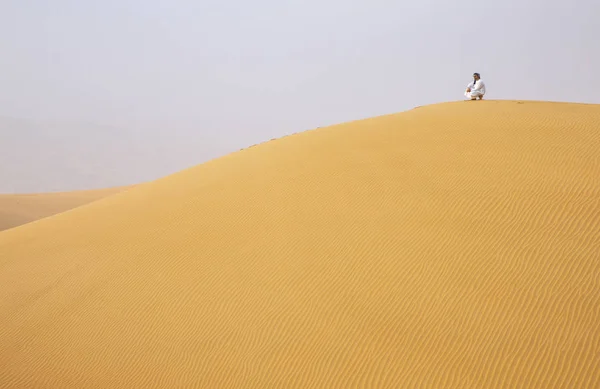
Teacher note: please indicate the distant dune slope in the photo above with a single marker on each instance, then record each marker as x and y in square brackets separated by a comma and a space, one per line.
[451, 246]
[19, 209]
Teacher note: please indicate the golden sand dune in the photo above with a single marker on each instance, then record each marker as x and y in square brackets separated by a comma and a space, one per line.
[450, 246]
[19, 209]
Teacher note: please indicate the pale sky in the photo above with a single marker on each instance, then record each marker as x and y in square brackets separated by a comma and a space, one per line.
[103, 93]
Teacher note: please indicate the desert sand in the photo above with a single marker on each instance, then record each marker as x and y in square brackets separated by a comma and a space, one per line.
[455, 245]
[19, 209]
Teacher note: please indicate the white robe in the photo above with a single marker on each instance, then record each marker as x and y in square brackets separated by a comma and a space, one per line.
[476, 90]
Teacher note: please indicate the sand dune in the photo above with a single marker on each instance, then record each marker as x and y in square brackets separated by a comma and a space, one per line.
[16, 210]
[451, 246]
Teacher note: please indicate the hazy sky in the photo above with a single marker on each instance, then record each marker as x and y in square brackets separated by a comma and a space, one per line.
[103, 93]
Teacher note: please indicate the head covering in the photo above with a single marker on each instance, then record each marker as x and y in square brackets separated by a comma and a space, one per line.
[475, 74]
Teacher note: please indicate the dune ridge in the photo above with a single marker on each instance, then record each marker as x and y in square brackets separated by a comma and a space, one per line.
[451, 246]
[18, 209]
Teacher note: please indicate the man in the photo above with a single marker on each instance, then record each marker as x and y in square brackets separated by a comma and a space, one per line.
[475, 89]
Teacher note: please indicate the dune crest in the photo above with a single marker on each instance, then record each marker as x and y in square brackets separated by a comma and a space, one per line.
[452, 246]
[18, 209]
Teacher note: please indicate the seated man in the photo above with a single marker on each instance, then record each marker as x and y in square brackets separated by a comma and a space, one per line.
[475, 89]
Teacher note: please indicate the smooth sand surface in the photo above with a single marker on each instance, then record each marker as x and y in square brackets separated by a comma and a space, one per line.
[19, 209]
[451, 246]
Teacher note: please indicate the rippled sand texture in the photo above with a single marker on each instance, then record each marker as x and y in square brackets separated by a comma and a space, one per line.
[450, 246]
[19, 209]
